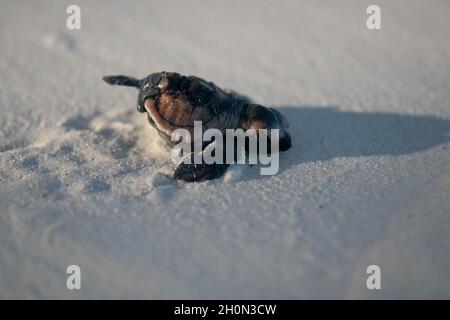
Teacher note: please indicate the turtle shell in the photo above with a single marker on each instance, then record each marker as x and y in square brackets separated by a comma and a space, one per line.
[189, 99]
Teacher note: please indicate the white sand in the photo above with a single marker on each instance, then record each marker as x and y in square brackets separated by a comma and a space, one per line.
[366, 182]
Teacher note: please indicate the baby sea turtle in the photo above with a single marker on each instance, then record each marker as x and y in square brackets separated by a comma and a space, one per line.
[175, 101]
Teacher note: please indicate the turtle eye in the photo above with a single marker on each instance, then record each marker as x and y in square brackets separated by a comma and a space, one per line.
[149, 91]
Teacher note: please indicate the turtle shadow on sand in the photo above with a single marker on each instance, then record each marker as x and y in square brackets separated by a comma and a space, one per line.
[324, 133]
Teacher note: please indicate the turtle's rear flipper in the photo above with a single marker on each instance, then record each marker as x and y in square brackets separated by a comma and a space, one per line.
[199, 172]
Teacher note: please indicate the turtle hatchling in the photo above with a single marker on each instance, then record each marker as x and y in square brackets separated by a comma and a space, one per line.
[174, 101]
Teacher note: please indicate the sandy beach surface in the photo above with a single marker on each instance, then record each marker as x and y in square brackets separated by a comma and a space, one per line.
[367, 181]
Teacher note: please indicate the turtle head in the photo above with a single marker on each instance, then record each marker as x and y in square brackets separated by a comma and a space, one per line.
[258, 117]
[151, 87]
[154, 85]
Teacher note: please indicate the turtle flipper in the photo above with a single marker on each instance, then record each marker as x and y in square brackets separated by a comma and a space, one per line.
[122, 81]
[199, 172]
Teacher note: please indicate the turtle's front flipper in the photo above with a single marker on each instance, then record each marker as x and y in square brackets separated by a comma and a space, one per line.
[122, 81]
[192, 172]
[199, 172]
